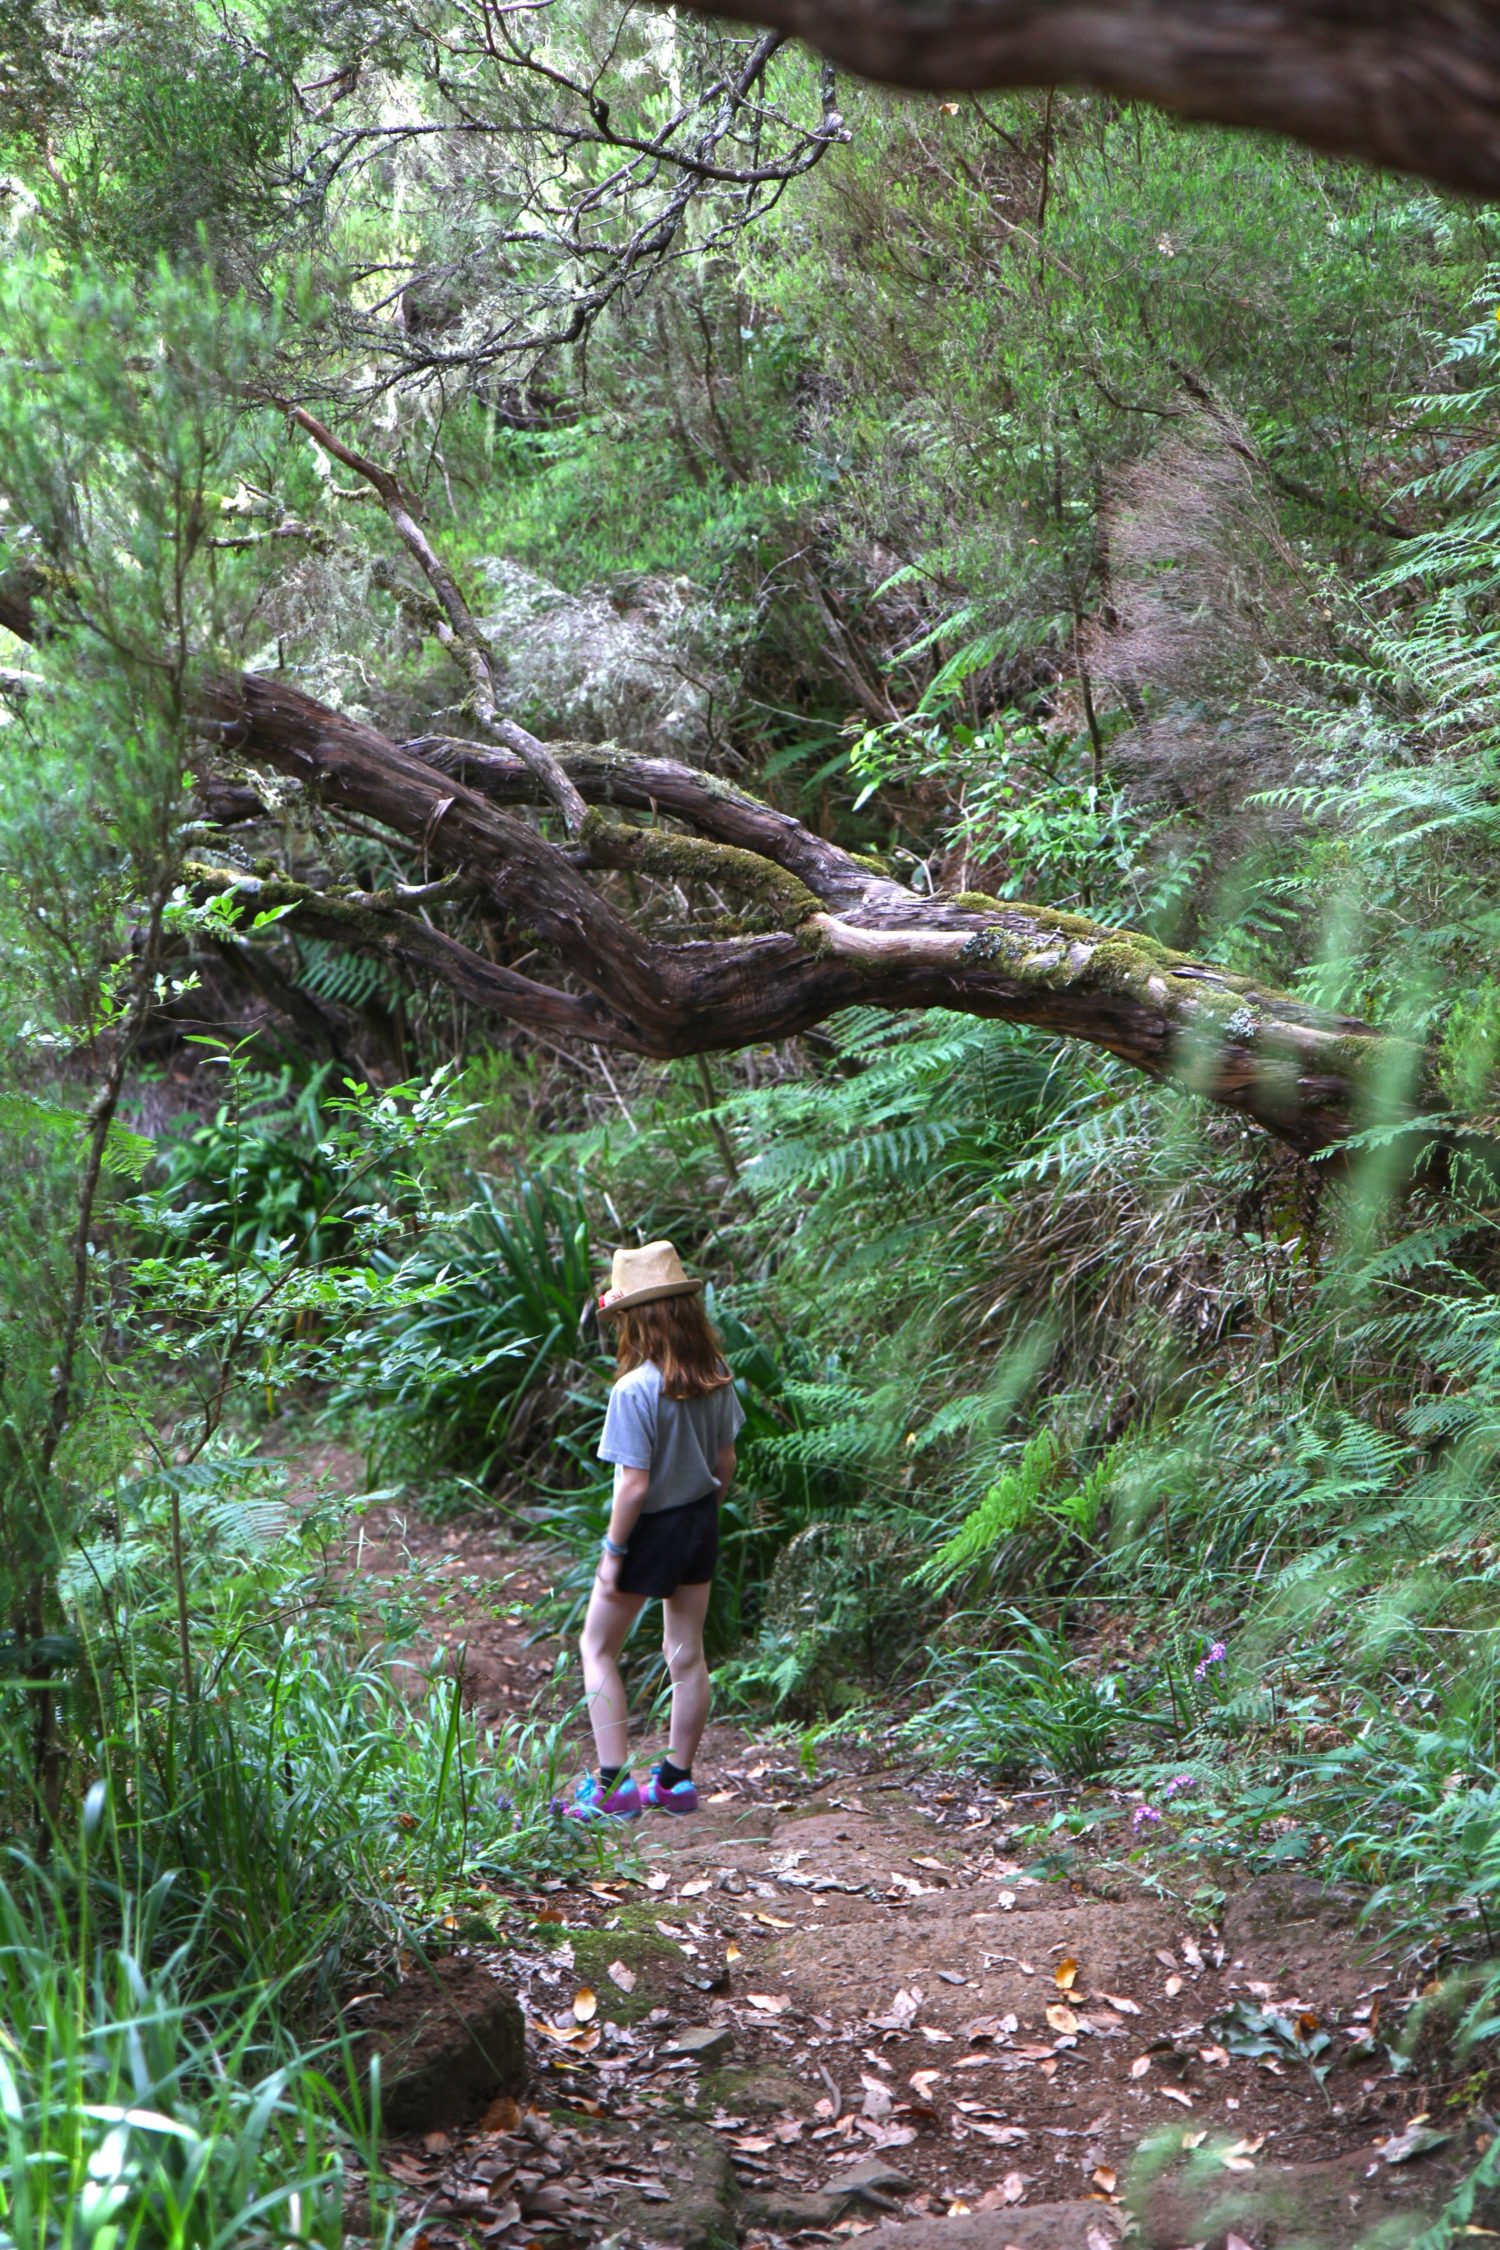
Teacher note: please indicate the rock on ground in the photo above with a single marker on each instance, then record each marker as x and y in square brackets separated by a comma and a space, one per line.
[449, 2038]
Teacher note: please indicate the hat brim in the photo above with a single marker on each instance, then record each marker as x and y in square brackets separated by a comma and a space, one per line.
[650, 1296]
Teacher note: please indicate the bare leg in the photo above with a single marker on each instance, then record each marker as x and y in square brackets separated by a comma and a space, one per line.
[682, 1645]
[610, 1617]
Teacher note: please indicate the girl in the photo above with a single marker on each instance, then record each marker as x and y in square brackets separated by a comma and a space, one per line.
[670, 1431]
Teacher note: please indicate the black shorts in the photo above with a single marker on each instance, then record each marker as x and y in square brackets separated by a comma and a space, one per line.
[675, 1547]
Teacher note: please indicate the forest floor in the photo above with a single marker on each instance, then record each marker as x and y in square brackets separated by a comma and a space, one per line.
[854, 2003]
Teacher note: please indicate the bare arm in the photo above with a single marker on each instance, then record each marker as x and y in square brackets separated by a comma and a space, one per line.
[630, 1491]
[724, 1469]
[624, 1515]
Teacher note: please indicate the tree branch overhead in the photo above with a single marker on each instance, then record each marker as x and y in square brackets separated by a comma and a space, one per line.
[1412, 85]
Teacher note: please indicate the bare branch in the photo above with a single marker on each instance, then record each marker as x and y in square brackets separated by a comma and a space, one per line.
[457, 627]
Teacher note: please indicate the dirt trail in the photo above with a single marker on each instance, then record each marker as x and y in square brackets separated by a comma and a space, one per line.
[852, 2004]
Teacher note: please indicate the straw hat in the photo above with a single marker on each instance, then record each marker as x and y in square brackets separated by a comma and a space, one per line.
[640, 1277]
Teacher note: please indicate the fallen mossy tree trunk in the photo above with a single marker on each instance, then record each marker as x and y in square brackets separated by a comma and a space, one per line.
[811, 928]
[795, 928]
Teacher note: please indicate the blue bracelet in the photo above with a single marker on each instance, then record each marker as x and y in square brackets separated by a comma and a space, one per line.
[610, 1548]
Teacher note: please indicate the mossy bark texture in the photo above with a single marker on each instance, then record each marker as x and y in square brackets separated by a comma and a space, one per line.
[811, 929]
[815, 928]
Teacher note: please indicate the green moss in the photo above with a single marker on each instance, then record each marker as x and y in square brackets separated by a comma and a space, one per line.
[759, 2090]
[650, 1956]
[674, 858]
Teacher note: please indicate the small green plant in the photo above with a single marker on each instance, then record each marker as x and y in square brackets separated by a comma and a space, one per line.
[1034, 1706]
[257, 1174]
[1022, 1527]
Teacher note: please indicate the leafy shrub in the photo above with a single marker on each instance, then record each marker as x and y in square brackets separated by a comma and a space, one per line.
[308, 1814]
[1022, 1528]
[477, 1376]
[1034, 1706]
[257, 1174]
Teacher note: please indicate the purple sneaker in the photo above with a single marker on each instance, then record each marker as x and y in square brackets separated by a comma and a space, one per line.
[590, 1802]
[681, 1797]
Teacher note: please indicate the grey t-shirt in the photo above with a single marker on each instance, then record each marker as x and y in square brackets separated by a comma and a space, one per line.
[677, 1439]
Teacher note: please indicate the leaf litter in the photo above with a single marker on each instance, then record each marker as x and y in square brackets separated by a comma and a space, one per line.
[960, 2091]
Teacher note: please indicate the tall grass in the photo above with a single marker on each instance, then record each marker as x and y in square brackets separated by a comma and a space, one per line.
[140, 2111]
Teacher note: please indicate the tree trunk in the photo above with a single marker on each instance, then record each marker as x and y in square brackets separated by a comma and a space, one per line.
[819, 929]
[1410, 84]
[816, 929]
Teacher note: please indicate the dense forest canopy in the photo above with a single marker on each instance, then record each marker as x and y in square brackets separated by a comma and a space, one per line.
[609, 630]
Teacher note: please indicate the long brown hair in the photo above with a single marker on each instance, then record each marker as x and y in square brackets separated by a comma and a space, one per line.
[677, 1333]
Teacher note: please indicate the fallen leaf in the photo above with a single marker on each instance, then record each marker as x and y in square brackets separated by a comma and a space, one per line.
[731, 1951]
[657, 1880]
[934, 2036]
[1003, 2136]
[620, 1975]
[1120, 2004]
[1233, 2162]
[1191, 1955]
[1167, 1960]
[1013, 2187]
[1418, 2139]
[1215, 2055]
[1196, 2140]
[585, 2005]
[771, 2003]
[1140, 2066]
[1006, 1901]
[1172, 1987]
[502, 2116]
[1065, 1975]
[923, 2081]
[1175, 2094]
[920, 1859]
[696, 1888]
[878, 2101]
[774, 1922]
[1062, 2018]
[1105, 2179]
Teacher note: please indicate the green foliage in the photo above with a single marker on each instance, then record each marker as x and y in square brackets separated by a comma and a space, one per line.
[256, 1176]
[1019, 1525]
[476, 1366]
[131, 2113]
[278, 1803]
[1032, 1707]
